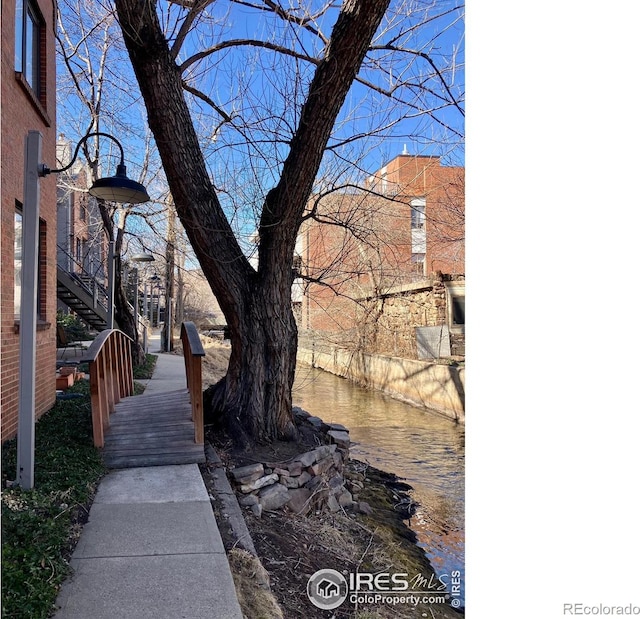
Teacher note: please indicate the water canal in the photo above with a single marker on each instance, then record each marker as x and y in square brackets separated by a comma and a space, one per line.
[421, 447]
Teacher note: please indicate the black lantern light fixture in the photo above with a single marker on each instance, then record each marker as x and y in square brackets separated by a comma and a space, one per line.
[119, 188]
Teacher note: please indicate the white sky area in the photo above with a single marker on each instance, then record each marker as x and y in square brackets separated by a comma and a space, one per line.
[552, 335]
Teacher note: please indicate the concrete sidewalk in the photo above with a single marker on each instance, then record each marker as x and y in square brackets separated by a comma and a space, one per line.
[151, 547]
[169, 373]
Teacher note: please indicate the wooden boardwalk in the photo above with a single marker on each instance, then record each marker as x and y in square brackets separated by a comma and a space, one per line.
[152, 430]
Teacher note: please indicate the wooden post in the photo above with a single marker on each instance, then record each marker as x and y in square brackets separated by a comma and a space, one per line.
[129, 368]
[97, 410]
[196, 400]
[109, 374]
[193, 353]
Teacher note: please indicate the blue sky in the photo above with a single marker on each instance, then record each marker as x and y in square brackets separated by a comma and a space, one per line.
[244, 171]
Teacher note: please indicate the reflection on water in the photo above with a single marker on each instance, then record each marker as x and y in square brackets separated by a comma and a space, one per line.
[425, 449]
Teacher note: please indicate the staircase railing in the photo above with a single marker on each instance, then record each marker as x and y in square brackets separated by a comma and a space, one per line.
[99, 294]
[110, 377]
[81, 276]
[193, 353]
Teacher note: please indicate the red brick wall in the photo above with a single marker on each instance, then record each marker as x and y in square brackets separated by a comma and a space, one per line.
[443, 189]
[343, 256]
[21, 112]
[364, 244]
[413, 174]
[445, 221]
[72, 206]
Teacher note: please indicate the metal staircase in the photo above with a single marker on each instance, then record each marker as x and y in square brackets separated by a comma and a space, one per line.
[85, 297]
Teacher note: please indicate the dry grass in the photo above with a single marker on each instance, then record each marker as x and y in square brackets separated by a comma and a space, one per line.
[214, 364]
[252, 586]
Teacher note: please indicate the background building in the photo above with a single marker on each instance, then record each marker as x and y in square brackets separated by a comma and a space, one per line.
[82, 246]
[434, 195]
[81, 242]
[380, 262]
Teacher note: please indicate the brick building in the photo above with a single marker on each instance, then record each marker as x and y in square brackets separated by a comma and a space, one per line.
[28, 103]
[81, 243]
[403, 232]
[432, 199]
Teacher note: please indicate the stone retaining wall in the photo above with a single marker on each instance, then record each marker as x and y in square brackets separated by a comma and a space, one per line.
[393, 331]
[421, 383]
[315, 480]
[386, 324]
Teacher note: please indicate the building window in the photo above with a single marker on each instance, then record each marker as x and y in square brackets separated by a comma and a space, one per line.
[19, 51]
[30, 51]
[83, 250]
[17, 264]
[384, 184]
[417, 260]
[418, 214]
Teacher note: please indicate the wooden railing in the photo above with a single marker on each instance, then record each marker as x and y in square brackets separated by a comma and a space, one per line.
[110, 377]
[193, 353]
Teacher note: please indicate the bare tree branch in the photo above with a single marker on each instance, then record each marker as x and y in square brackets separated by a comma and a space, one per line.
[249, 43]
[196, 93]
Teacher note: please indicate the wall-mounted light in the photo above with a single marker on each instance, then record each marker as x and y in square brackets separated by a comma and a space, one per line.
[119, 188]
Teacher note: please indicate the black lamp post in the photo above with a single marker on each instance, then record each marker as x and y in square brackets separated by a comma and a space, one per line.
[155, 284]
[119, 188]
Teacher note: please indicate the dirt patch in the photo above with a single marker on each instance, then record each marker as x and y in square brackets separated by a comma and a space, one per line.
[292, 547]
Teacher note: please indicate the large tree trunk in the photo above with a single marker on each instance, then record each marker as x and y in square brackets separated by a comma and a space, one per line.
[261, 369]
[256, 393]
[260, 374]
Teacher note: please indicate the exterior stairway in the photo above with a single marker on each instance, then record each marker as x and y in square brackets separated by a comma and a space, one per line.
[84, 301]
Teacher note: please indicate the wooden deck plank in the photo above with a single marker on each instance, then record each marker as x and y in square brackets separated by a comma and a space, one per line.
[143, 441]
[142, 433]
[161, 460]
[160, 443]
[160, 397]
[151, 412]
[157, 407]
[152, 430]
[150, 420]
[172, 448]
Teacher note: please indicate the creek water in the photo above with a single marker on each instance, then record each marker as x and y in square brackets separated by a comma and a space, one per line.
[421, 447]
